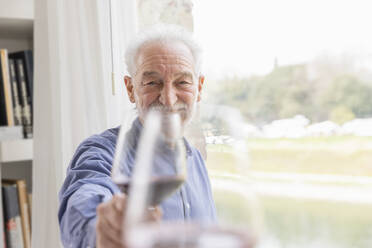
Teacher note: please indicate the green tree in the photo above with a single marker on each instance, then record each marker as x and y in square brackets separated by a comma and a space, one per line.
[287, 91]
[341, 114]
[352, 93]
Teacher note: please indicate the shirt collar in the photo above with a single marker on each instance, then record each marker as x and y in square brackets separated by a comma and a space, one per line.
[188, 147]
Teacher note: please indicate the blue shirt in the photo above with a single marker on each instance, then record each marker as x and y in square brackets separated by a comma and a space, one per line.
[88, 183]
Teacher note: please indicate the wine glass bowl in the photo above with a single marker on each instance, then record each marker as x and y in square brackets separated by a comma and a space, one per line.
[160, 158]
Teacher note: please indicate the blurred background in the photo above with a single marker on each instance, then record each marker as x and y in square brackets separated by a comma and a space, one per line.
[300, 73]
[285, 122]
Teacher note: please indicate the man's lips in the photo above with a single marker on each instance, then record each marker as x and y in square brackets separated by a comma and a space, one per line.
[166, 111]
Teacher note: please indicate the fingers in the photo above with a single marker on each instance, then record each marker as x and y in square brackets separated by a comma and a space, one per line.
[107, 231]
[109, 222]
[105, 243]
[113, 211]
[106, 237]
[110, 217]
[153, 214]
[120, 202]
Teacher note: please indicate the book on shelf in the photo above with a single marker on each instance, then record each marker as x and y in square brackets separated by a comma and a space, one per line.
[23, 63]
[23, 208]
[27, 60]
[18, 111]
[6, 101]
[4, 240]
[16, 90]
[29, 197]
[25, 98]
[12, 218]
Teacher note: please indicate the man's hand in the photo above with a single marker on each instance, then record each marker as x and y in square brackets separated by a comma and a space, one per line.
[110, 217]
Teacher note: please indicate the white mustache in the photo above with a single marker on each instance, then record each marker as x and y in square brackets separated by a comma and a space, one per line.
[176, 108]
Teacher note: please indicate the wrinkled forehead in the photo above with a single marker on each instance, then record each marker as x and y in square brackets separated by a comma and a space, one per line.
[160, 54]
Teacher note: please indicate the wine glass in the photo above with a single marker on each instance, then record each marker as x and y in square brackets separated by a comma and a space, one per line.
[159, 166]
[239, 216]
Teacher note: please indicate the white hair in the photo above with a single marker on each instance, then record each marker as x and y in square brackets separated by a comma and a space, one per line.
[162, 33]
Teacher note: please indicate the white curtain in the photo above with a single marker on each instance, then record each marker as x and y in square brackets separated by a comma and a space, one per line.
[73, 92]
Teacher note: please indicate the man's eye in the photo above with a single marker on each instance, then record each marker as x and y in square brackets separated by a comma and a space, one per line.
[151, 83]
[183, 83]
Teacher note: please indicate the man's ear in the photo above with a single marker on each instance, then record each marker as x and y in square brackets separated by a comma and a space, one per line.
[200, 87]
[129, 86]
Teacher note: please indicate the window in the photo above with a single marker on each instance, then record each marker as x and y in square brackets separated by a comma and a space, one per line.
[287, 113]
[300, 75]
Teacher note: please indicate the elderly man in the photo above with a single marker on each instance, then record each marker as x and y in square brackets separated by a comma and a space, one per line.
[164, 67]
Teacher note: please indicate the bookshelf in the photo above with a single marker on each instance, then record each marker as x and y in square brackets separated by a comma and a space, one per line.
[16, 24]
[16, 33]
[16, 150]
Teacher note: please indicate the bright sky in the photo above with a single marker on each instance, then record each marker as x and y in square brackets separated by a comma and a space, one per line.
[245, 36]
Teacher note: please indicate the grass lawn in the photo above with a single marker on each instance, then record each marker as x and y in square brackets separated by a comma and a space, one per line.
[299, 222]
[340, 155]
[296, 222]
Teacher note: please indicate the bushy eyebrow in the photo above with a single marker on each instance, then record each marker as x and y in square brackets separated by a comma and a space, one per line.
[184, 74]
[150, 74]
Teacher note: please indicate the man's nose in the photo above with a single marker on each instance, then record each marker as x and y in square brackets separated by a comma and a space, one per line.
[168, 96]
